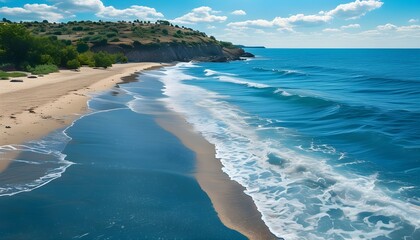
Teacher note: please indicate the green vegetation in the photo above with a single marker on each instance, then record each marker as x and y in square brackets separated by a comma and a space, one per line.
[37, 46]
[42, 69]
[41, 54]
[114, 33]
[7, 75]
[226, 44]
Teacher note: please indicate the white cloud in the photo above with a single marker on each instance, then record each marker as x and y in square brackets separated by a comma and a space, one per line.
[413, 20]
[350, 10]
[387, 27]
[331, 30]
[412, 31]
[355, 9]
[80, 5]
[239, 13]
[131, 13]
[284, 23]
[252, 23]
[201, 14]
[350, 26]
[302, 20]
[31, 12]
[409, 28]
[56, 12]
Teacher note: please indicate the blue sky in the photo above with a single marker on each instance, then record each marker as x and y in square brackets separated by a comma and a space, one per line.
[273, 23]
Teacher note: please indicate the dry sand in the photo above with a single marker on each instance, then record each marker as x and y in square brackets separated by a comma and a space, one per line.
[35, 107]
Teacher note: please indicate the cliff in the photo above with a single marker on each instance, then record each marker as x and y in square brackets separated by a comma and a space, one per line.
[170, 52]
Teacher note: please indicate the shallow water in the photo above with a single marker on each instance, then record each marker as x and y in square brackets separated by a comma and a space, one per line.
[125, 178]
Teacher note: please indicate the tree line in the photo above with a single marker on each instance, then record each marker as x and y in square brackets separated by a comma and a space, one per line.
[24, 51]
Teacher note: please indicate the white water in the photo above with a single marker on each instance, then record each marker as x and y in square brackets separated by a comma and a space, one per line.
[300, 196]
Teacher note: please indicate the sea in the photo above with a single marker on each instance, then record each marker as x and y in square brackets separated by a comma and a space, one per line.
[326, 142]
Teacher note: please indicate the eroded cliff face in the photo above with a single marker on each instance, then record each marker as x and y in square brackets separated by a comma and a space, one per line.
[175, 52]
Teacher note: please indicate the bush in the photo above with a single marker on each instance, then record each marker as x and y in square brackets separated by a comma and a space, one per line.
[226, 44]
[78, 28]
[73, 64]
[42, 69]
[103, 59]
[120, 58]
[82, 47]
[86, 58]
[111, 34]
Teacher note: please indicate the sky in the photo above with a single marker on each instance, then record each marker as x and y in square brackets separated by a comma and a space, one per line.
[270, 23]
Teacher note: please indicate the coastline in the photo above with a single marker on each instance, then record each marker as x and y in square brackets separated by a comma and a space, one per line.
[39, 106]
[36, 107]
[235, 209]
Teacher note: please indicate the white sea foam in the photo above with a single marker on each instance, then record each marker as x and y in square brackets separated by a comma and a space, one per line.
[229, 77]
[283, 92]
[209, 72]
[242, 82]
[48, 161]
[46, 155]
[300, 196]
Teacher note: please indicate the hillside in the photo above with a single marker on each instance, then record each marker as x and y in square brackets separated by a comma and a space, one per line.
[140, 40]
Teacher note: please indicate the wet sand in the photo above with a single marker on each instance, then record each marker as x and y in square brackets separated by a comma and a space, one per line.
[36, 107]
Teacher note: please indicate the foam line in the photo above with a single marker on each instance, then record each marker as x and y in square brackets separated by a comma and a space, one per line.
[299, 195]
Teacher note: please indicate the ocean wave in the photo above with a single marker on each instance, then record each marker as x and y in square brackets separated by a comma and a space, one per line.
[281, 71]
[209, 72]
[242, 82]
[232, 78]
[299, 195]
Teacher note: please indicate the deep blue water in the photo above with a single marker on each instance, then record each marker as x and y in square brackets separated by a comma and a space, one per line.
[327, 142]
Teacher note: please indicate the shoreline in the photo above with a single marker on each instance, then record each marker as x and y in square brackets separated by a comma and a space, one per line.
[235, 209]
[36, 107]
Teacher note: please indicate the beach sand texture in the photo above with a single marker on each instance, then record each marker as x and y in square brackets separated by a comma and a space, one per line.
[34, 108]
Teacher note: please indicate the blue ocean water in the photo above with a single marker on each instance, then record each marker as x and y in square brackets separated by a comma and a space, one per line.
[326, 142]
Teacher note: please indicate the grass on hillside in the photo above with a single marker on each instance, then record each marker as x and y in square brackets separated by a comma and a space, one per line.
[119, 33]
[7, 75]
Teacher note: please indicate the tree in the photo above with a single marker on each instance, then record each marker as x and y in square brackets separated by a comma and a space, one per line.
[82, 47]
[68, 53]
[73, 64]
[15, 42]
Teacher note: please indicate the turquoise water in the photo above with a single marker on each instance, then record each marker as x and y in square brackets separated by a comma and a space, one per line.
[327, 142]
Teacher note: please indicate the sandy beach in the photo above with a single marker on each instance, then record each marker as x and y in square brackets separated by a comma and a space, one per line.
[35, 107]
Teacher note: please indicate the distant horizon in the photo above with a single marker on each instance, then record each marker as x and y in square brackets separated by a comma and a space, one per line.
[274, 24]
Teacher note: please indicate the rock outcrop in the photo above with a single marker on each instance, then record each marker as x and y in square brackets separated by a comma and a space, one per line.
[170, 52]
